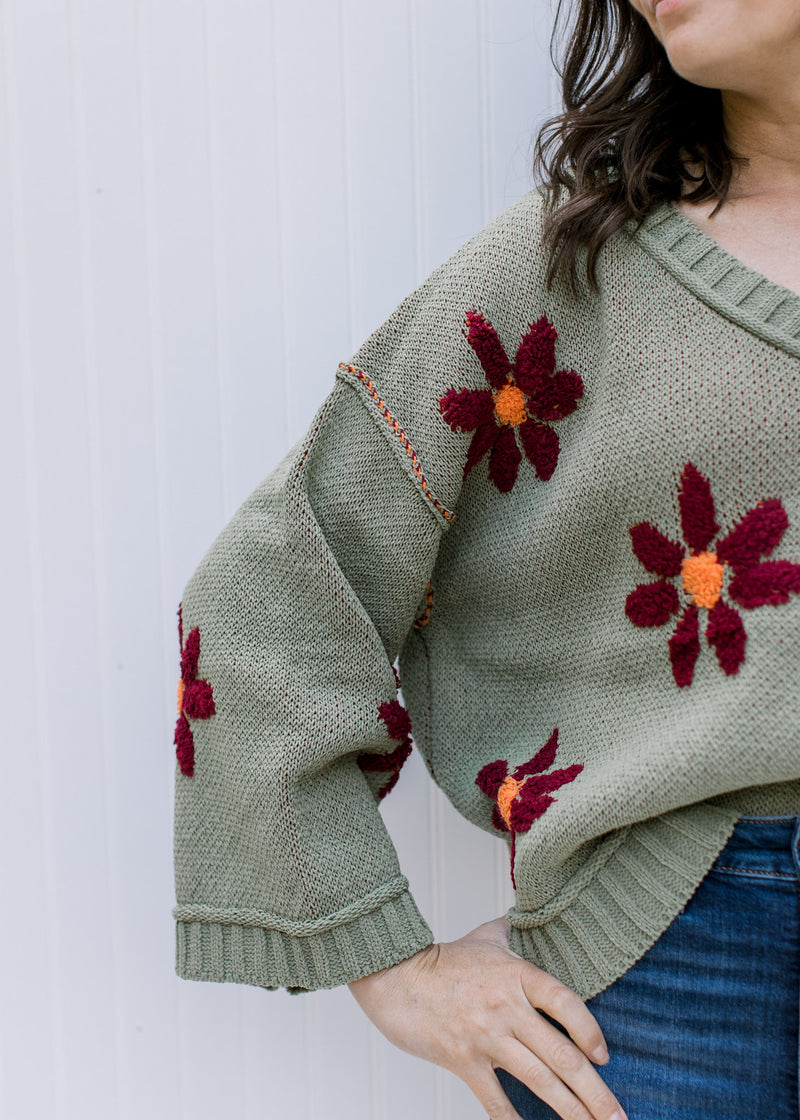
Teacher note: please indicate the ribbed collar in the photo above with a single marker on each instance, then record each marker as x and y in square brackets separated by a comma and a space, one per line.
[720, 279]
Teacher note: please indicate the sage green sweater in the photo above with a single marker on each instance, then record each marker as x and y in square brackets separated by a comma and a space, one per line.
[576, 520]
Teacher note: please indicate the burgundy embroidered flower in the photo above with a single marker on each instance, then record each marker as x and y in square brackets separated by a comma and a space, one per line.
[523, 397]
[398, 724]
[521, 798]
[195, 698]
[755, 582]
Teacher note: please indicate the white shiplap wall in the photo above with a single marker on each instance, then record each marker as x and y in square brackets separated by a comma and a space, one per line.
[205, 205]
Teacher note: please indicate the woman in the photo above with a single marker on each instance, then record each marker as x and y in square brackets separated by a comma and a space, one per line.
[560, 482]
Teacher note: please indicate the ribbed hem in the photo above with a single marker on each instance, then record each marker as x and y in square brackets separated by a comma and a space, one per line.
[720, 279]
[603, 929]
[234, 947]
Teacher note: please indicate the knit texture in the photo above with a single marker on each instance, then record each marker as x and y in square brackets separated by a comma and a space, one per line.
[602, 490]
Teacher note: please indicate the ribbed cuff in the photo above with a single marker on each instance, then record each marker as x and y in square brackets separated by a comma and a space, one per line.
[605, 927]
[253, 947]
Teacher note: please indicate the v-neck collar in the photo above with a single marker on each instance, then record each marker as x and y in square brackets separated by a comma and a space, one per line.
[720, 279]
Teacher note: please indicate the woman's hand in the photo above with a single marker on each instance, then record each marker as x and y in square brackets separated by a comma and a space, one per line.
[471, 1006]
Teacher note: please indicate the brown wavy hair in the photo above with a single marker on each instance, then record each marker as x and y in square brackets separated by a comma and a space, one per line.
[629, 131]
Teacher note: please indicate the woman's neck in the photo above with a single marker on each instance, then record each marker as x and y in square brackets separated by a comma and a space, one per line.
[766, 131]
[759, 221]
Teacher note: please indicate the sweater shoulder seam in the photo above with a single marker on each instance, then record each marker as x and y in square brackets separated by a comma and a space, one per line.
[397, 437]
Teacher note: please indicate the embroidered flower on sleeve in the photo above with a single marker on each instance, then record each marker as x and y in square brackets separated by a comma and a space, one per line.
[195, 698]
[398, 724]
[524, 396]
[754, 583]
[521, 798]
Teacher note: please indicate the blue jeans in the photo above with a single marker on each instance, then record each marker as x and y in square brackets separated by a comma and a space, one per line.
[705, 1025]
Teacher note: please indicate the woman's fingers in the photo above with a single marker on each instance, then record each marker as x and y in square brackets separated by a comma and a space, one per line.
[573, 1074]
[490, 1094]
[518, 1060]
[545, 993]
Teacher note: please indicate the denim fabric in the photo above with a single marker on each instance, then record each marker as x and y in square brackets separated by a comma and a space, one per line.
[705, 1025]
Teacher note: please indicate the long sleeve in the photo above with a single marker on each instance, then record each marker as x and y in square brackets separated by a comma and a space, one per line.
[290, 729]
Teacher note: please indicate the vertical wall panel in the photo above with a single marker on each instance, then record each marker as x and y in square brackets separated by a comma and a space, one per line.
[378, 78]
[176, 134]
[315, 223]
[242, 111]
[127, 553]
[205, 205]
[31, 1020]
[517, 43]
[451, 123]
[39, 39]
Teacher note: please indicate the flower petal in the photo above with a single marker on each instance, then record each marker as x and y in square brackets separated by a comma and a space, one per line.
[198, 699]
[770, 582]
[465, 409]
[755, 536]
[184, 746]
[491, 777]
[485, 341]
[536, 357]
[656, 552]
[381, 763]
[391, 763]
[725, 631]
[547, 783]
[697, 509]
[540, 444]
[504, 460]
[559, 397]
[483, 439]
[524, 812]
[651, 604]
[684, 647]
[544, 758]
[190, 655]
[498, 822]
[396, 718]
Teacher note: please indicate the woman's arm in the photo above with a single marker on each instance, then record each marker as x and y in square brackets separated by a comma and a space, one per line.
[285, 873]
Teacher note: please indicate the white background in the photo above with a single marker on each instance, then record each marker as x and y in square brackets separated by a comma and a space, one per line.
[205, 205]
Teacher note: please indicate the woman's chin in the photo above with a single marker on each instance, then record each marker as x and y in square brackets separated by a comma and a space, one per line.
[699, 62]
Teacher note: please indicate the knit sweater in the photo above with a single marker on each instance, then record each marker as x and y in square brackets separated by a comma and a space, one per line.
[575, 519]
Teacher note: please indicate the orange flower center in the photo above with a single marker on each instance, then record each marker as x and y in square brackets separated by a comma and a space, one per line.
[509, 405]
[505, 795]
[180, 696]
[702, 578]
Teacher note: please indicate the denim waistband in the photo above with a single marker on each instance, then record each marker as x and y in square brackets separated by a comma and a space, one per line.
[765, 846]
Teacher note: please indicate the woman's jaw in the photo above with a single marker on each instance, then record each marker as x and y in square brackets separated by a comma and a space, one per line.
[750, 47]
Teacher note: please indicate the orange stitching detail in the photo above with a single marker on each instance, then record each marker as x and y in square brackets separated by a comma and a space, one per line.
[401, 435]
[425, 617]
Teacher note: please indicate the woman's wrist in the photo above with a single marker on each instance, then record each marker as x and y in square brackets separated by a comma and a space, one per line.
[387, 976]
